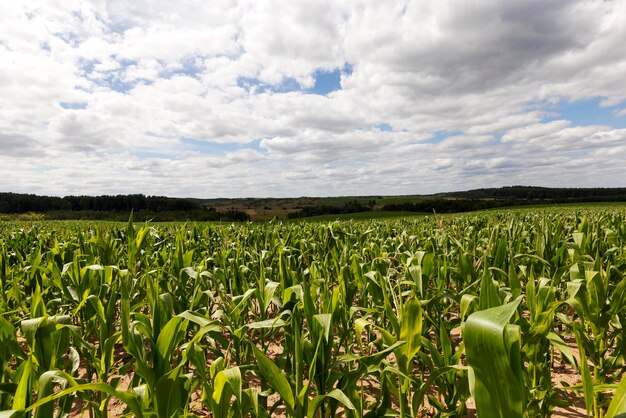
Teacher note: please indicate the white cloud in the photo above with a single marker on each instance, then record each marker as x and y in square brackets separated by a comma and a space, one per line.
[148, 73]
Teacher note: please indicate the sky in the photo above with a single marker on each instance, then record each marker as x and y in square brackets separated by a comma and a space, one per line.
[260, 98]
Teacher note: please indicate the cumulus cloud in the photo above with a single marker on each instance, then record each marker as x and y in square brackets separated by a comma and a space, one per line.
[221, 98]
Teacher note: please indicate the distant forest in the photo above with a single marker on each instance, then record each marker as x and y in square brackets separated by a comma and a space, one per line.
[160, 208]
[465, 201]
[506, 197]
[118, 207]
[599, 194]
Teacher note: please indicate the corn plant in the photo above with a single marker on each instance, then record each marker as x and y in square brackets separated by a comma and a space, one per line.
[404, 317]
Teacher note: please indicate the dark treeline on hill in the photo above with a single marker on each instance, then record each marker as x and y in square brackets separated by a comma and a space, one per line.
[471, 200]
[157, 208]
[467, 205]
[351, 206]
[22, 203]
[552, 193]
[508, 196]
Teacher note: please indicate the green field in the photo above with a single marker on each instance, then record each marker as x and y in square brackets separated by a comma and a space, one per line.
[359, 216]
[508, 313]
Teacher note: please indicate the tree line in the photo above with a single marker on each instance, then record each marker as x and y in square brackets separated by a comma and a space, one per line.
[467, 205]
[112, 207]
[551, 193]
[472, 200]
[351, 206]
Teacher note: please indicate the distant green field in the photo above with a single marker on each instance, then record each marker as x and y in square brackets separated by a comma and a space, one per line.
[379, 200]
[342, 200]
[391, 200]
[361, 216]
[400, 214]
[587, 205]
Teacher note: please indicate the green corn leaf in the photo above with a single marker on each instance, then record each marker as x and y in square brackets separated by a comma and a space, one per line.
[22, 394]
[420, 395]
[96, 303]
[563, 348]
[586, 375]
[446, 345]
[227, 383]
[9, 388]
[268, 293]
[302, 395]
[617, 407]
[416, 274]
[250, 402]
[371, 359]
[489, 292]
[411, 328]
[325, 321]
[492, 347]
[196, 318]
[578, 238]
[46, 386]
[8, 342]
[336, 394]
[467, 301]
[129, 399]
[242, 301]
[171, 393]
[275, 377]
[295, 290]
[618, 298]
[267, 324]
[37, 304]
[514, 281]
[166, 342]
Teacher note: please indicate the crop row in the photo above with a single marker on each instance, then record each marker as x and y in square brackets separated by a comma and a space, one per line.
[427, 316]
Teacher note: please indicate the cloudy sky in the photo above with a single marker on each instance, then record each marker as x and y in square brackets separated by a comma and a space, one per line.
[236, 98]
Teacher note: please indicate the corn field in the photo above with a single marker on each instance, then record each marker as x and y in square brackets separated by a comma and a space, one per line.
[432, 316]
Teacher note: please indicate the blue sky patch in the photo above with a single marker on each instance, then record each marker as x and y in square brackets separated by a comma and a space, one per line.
[119, 26]
[216, 148]
[586, 112]
[112, 79]
[384, 127]
[69, 38]
[114, 82]
[150, 154]
[325, 82]
[73, 105]
[439, 136]
[287, 85]
[190, 67]
[329, 81]
[248, 83]
[87, 66]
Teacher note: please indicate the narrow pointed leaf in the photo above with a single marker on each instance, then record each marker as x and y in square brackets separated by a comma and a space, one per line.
[275, 377]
